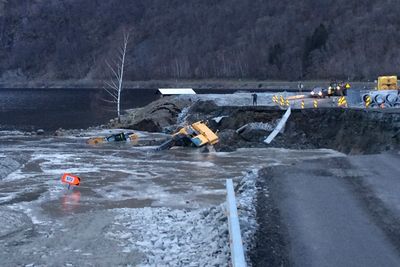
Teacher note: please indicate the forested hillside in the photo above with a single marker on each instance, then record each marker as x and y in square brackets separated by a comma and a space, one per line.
[260, 39]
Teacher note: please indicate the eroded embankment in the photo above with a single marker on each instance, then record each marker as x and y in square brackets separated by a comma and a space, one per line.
[348, 131]
[355, 131]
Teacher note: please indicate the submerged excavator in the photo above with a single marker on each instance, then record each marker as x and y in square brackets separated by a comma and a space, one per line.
[129, 136]
[197, 134]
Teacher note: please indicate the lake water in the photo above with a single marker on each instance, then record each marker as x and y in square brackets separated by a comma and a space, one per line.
[50, 109]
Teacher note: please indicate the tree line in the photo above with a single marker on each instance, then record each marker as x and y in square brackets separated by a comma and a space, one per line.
[191, 39]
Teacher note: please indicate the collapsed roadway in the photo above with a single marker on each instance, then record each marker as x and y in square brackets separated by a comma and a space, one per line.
[340, 211]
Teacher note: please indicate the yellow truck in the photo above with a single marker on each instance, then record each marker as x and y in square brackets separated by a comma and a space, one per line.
[197, 134]
[387, 83]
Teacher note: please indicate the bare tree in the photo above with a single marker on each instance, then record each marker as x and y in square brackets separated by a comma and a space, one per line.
[114, 86]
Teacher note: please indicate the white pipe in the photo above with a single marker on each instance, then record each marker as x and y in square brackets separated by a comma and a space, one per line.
[279, 127]
[391, 98]
[379, 99]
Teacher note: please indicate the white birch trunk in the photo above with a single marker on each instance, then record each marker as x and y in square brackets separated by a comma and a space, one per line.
[115, 86]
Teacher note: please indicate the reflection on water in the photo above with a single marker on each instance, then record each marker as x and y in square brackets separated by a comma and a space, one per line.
[70, 201]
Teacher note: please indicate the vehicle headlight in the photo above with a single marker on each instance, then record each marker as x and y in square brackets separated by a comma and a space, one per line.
[320, 93]
[312, 93]
[338, 87]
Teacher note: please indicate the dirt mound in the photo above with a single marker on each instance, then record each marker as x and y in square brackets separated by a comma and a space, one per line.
[153, 117]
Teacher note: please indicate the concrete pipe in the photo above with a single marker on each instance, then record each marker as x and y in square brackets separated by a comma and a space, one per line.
[373, 105]
[388, 105]
[391, 98]
[364, 97]
[396, 105]
[379, 99]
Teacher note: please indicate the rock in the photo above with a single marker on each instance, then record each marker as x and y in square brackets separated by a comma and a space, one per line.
[229, 140]
[11, 163]
[59, 132]
[253, 134]
[40, 132]
[14, 225]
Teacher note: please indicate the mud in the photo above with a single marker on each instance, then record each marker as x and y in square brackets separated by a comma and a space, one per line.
[352, 130]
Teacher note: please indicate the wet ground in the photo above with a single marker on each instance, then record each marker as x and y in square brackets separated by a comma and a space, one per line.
[134, 206]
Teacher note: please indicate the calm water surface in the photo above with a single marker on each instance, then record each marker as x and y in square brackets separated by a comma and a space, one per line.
[71, 108]
[50, 109]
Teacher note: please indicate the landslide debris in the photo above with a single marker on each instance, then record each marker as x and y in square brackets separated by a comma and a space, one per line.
[354, 131]
[154, 117]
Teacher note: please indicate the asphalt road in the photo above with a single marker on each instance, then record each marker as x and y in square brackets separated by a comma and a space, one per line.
[338, 212]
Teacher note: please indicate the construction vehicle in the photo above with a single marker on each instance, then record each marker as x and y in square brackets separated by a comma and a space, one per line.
[386, 93]
[197, 134]
[319, 92]
[387, 83]
[338, 88]
[334, 89]
[130, 136]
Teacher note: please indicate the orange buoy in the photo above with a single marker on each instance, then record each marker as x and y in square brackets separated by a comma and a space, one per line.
[70, 179]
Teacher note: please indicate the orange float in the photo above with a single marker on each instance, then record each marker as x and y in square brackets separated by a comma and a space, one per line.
[70, 179]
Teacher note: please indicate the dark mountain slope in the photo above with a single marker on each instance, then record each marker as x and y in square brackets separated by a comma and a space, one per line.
[275, 39]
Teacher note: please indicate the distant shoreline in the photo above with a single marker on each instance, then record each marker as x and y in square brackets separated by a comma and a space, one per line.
[195, 84]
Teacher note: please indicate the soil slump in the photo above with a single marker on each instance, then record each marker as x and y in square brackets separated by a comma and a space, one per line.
[351, 131]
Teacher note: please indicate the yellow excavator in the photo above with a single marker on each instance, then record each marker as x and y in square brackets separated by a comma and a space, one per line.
[130, 136]
[197, 134]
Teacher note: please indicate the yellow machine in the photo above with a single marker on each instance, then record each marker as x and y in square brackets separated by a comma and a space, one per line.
[197, 134]
[387, 83]
[113, 138]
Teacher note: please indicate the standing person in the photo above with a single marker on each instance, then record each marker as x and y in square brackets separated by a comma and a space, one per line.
[254, 95]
